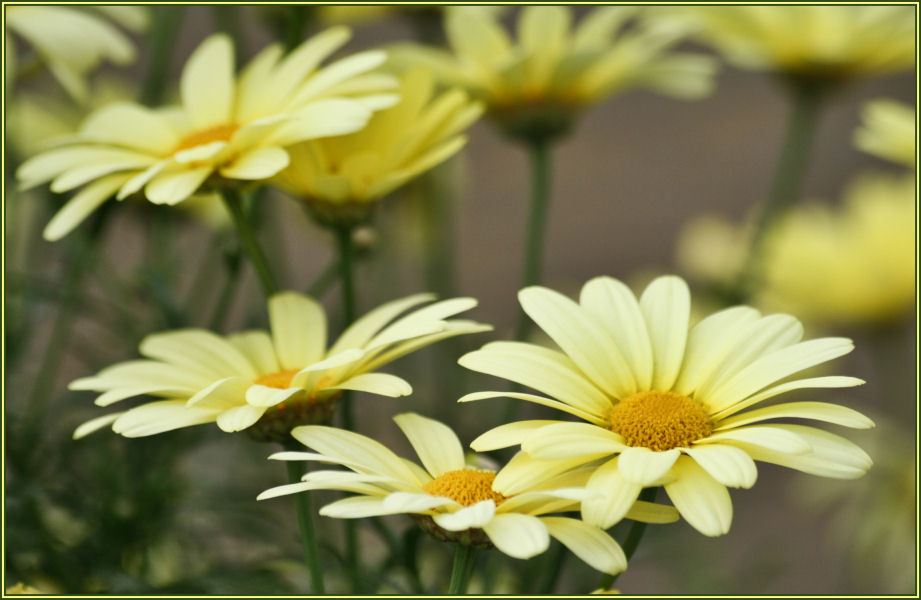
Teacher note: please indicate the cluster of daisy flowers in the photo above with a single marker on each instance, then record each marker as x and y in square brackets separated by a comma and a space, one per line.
[647, 397]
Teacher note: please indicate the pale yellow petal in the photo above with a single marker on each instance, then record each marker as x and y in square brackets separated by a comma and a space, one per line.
[258, 163]
[174, 187]
[376, 383]
[591, 544]
[96, 424]
[239, 418]
[831, 381]
[702, 501]
[264, 396]
[666, 306]
[645, 467]
[207, 83]
[474, 516]
[298, 329]
[728, 465]
[222, 394]
[131, 126]
[158, 417]
[370, 456]
[570, 440]
[536, 400]
[519, 536]
[523, 473]
[435, 443]
[367, 326]
[771, 437]
[257, 347]
[407, 502]
[615, 496]
[507, 435]
[81, 205]
[821, 411]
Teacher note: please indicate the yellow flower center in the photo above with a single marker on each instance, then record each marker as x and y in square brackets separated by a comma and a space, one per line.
[280, 380]
[660, 420]
[466, 487]
[218, 133]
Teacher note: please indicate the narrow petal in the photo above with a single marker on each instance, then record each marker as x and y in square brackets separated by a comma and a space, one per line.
[172, 188]
[150, 132]
[832, 381]
[376, 383]
[772, 437]
[366, 327]
[158, 417]
[207, 83]
[591, 544]
[239, 418]
[357, 507]
[728, 465]
[198, 349]
[592, 418]
[831, 455]
[570, 440]
[616, 496]
[374, 458]
[507, 435]
[259, 163]
[702, 501]
[519, 536]
[81, 205]
[650, 512]
[298, 329]
[821, 411]
[666, 306]
[469, 517]
[95, 425]
[524, 473]
[222, 394]
[257, 347]
[435, 443]
[265, 396]
[644, 467]
[406, 502]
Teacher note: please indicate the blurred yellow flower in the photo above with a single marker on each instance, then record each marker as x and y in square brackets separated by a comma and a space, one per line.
[888, 131]
[849, 264]
[534, 85]
[830, 43]
[22, 588]
[228, 129]
[72, 41]
[341, 178]
[268, 383]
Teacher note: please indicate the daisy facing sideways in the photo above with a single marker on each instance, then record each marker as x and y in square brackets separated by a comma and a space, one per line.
[228, 129]
[268, 382]
[664, 404]
[453, 501]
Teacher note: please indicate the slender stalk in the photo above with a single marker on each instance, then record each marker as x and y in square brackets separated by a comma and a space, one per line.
[634, 535]
[248, 240]
[166, 21]
[539, 154]
[806, 98]
[462, 569]
[553, 566]
[307, 526]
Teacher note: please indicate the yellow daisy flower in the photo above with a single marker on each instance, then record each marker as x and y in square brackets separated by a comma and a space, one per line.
[228, 129]
[535, 84]
[831, 43]
[342, 178]
[72, 41]
[451, 500]
[665, 405]
[268, 382]
[888, 131]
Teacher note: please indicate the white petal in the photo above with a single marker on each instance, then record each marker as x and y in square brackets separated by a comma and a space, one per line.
[615, 307]
[149, 131]
[207, 83]
[366, 327]
[257, 347]
[81, 205]
[524, 473]
[469, 517]
[222, 394]
[435, 443]
[198, 349]
[157, 417]
[831, 455]
[702, 501]
[172, 188]
[519, 536]
[373, 457]
[406, 502]
[644, 467]
[239, 418]
[615, 498]
[376, 383]
[832, 381]
[95, 425]
[259, 163]
[666, 306]
[265, 396]
[569, 440]
[728, 465]
[650, 512]
[772, 437]
[821, 411]
[537, 400]
[298, 329]
[284, 490]
[595, 547]
[507, 435]
[323, 118]
[357, 507]
[579, 337]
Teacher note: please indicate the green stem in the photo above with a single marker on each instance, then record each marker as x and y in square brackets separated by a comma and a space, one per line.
[228, 21]
[462, 569]
[166, 21]
[553, 566]
[295, 25]
[806, 98]
[634, 535]
[248, 240]
[307, 526]
[539, 154]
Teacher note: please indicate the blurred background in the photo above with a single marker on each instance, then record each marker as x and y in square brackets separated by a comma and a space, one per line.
[177, 513]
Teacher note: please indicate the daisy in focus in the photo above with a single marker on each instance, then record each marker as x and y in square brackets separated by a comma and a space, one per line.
[451, 500]
[534, 85]
[228, 130]
[341, 179]
[888, 131]
[821, 43]
[666, 404]
[268, 382]
[72, 41]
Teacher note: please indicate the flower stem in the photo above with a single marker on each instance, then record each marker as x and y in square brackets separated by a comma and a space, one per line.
[806, 98]
[248, 240]
[307, 526]
[463, 568]
[634, 535]
[539, 154]
[166, 20]
[553, 566]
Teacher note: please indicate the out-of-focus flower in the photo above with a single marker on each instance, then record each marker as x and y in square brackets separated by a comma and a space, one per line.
[535, 85]
[665, 404]
[888, 131]
[72, 41]
[268, 383]
[849, 264]
[342, 178]
[451, 500]
[820, 43]
[21, 588]
[228, 130]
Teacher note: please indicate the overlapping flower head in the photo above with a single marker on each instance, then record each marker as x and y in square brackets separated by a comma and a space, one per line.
[342, 178]
[535, 84]
[888, 131]
[72, 41]
[228, 129]
[268, 382]
[453, 501]
[665, 404]
[831, 43]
